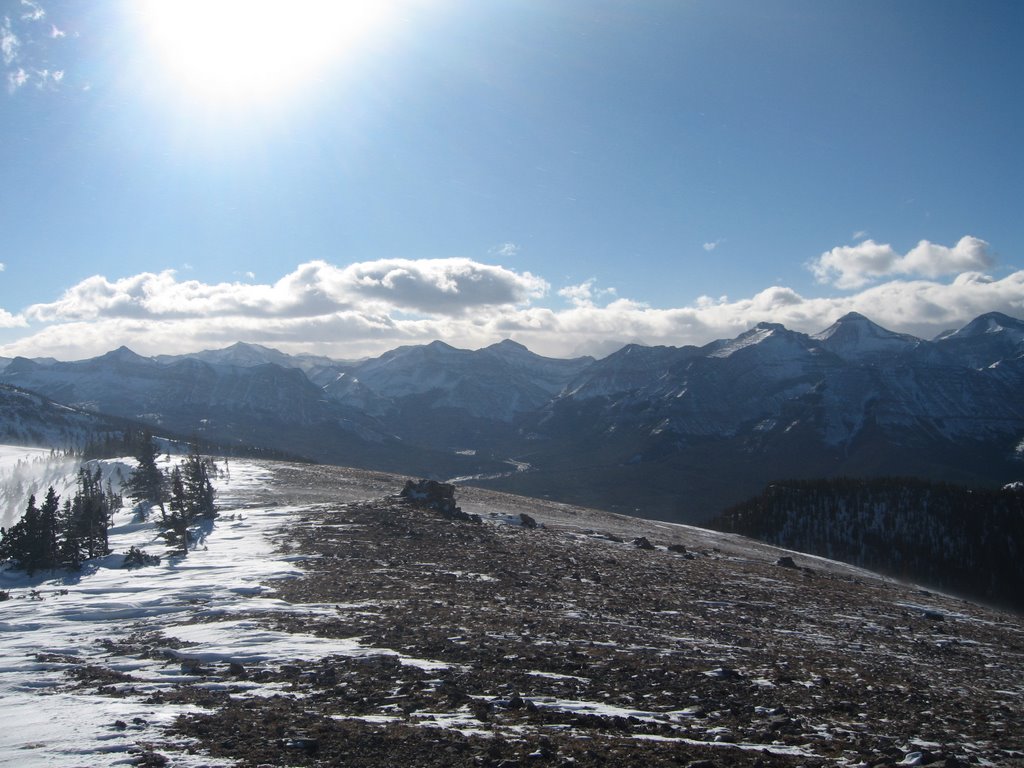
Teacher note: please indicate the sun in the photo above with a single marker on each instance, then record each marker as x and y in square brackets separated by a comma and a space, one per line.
[244, 51]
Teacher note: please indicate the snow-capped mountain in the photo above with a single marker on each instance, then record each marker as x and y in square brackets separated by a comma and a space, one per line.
[986, 340]
[674, 432]
[244, 355]
[180, 393]
[854, 337]
[493, 383]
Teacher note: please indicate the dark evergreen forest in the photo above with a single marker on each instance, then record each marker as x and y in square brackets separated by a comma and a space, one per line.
[964, 541]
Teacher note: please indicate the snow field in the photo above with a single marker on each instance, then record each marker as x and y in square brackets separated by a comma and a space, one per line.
[58, 623]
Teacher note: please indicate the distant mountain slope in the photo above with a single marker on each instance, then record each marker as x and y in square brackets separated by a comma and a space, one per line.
[260, 405]
[677, 433]
[970, 542]
[29, 419]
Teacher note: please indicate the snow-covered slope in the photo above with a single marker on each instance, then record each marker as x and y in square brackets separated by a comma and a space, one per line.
[29, 419]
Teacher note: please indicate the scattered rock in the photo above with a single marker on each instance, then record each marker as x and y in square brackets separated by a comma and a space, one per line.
[642, 542]
[526, 521]
[677, 548]
[786, 562]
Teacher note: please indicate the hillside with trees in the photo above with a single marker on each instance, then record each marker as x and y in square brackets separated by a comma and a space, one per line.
[960, 540]
[63, 536]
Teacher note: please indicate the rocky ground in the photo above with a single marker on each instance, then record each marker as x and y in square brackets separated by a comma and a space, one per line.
[577, 638]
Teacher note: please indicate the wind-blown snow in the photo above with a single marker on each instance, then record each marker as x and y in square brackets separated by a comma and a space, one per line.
[26, 471]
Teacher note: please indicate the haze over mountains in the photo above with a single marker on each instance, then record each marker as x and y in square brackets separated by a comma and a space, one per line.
[676, 433]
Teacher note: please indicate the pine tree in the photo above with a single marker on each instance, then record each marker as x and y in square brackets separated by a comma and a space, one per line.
[50, 529]
[176, 518]
[198, 488]
[90, 513]
[147, 482]
[32, 544]
[69, 549]
[24, 543]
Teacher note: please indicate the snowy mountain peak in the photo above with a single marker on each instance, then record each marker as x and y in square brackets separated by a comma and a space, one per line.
[990, 323]
[987, 339]
[759, 334]
[244, 354]
[122, 355]
[508, 345]
[854, 336]
[117, 362]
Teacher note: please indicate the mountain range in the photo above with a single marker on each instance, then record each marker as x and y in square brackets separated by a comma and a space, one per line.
[676, 433]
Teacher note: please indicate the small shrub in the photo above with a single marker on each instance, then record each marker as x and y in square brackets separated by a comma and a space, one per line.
[139, 558]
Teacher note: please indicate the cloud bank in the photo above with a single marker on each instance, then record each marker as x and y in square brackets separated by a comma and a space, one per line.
[366, 308]
[854, 266]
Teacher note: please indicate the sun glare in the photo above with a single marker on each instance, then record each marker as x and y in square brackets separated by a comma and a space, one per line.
[232, 51]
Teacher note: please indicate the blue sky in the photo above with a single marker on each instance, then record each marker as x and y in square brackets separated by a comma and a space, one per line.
[573, 174]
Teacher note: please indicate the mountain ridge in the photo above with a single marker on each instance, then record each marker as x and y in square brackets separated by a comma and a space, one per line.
[673, 432]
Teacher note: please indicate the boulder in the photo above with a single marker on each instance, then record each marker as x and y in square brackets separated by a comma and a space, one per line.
[439, 497]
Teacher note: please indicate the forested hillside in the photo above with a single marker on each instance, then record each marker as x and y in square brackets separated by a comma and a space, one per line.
[956, 539]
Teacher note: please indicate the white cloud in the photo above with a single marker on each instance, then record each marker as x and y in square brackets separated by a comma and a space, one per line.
[583, 295]
[440, 286]
[26, 52]
[9, 43]
[16, 79]
[7, 320]
[428, 286]
[860, 234]
[930, 260]
[369, 307]
[33, 11]
[506, 250]
[855, 266]
[2, 266]
[709, 247]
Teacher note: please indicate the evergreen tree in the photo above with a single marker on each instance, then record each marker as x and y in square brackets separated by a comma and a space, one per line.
[198, 488]
[90, 514]
[32, 543]
[22, 544]
[53, 536]
[147, 482]
[191, 499]
[69, 550]
[175, 518]
[50, 529]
